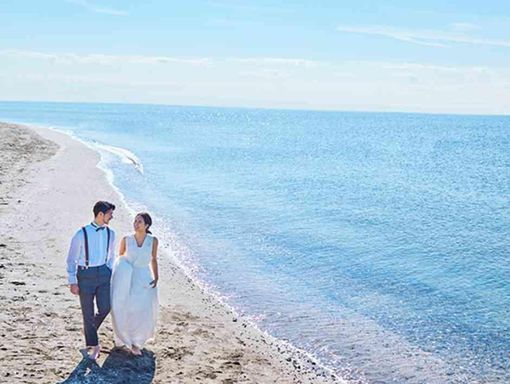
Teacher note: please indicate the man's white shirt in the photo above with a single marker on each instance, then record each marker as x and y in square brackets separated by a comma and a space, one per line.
[97, 239]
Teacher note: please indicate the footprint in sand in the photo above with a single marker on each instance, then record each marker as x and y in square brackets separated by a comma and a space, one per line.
[201, 332]
[206, 373]
[176, 353]
[231, 364]
[232, 360]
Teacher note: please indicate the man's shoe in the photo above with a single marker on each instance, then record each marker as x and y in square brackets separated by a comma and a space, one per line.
[94, 352]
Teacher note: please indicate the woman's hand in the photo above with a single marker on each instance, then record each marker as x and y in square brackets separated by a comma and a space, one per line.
[154, 283]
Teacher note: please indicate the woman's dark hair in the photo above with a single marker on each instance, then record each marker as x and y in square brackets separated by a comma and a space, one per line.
[103, 206]
[147, 219]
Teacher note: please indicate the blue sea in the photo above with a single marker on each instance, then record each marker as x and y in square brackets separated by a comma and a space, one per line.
[378, 242]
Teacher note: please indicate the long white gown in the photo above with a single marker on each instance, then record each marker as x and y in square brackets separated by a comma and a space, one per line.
[134, 303]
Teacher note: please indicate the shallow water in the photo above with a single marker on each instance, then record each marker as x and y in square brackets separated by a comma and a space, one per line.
[378, 242]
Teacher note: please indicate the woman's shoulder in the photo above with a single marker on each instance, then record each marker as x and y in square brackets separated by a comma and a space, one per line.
[127, 238]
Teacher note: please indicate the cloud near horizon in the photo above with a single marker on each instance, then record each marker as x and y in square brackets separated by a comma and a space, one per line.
[270, 82]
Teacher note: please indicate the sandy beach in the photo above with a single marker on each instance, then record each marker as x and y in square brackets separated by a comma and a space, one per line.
[49, 183]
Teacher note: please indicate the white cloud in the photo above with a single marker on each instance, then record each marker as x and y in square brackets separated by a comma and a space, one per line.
[397, 34]
[431, 38]
[137, 59]
[436, 68]
[98, 9]
[256, 81]
[277, 61]
[103, 59]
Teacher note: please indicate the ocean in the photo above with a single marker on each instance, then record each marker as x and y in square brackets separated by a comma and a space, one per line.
[378, 242]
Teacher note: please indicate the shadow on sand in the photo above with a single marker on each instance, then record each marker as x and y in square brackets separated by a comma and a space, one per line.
[119, 367]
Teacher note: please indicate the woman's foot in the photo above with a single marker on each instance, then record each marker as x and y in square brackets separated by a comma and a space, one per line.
[136, 351]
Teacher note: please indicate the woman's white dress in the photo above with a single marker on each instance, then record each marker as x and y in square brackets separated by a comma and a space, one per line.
[134, 303]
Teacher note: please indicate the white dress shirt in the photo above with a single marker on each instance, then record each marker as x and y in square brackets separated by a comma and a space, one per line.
[97, 239]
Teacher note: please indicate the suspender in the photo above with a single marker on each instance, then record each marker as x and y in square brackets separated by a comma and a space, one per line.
[107, 244]
[87, 246]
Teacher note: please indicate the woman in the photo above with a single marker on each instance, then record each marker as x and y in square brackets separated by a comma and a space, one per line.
[134, 296]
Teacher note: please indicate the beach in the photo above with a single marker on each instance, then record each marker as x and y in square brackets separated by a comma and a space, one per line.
[49, 183]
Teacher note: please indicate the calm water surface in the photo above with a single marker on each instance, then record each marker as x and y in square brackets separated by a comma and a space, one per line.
[378, 242]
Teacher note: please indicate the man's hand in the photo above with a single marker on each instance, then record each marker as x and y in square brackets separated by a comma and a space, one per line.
[74, 289]
[154, 283]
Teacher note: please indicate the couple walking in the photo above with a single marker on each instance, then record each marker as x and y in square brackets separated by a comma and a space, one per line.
[126, 285]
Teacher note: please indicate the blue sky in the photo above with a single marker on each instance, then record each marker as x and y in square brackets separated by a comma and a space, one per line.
[424, 56]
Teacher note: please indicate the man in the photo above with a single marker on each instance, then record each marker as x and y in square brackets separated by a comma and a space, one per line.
[89, 267]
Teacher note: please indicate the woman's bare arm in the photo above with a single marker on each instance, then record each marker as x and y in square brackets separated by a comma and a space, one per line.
[122, 248]
[154, 263]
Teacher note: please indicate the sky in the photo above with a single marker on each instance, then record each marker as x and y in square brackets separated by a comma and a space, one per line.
[411, 56]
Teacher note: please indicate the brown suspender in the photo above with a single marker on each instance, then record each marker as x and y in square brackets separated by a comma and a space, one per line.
[87, 245]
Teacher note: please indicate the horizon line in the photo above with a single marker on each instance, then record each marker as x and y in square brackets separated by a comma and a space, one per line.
[262, 108]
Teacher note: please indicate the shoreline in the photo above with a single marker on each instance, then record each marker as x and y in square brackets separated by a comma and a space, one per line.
[165, 251]
[199, 337]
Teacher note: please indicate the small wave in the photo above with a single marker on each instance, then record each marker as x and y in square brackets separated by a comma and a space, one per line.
[125, 155]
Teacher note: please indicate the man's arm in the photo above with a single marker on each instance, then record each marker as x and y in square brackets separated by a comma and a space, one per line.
[72, 258]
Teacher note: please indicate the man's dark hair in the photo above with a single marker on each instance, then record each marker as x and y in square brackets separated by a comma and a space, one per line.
[103, 206]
